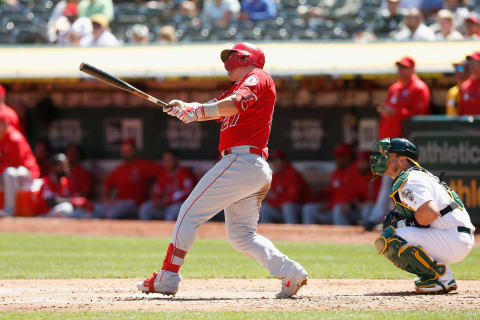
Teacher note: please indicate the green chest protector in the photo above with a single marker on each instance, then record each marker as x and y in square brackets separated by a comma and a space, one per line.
[407, 212]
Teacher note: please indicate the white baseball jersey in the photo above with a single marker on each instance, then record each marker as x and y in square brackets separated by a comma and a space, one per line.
[421, 187]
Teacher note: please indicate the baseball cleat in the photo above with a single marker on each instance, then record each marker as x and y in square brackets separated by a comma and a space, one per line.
[291, 285]
[164, 282]
[435, 286]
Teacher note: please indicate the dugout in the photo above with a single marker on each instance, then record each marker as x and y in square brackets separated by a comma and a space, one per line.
[326, 95]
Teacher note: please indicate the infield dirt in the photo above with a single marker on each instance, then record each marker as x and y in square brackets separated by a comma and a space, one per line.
[218, 294]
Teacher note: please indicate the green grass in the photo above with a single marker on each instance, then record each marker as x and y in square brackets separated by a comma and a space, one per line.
[30, 256]
[370, 315]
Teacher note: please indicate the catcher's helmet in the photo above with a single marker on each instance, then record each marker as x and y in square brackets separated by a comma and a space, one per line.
[242, 54]
[404, 147]
[382, 149]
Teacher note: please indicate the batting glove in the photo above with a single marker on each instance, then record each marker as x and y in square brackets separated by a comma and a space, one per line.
[174, 107]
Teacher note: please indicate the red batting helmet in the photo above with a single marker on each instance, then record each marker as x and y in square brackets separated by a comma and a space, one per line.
[243, 54]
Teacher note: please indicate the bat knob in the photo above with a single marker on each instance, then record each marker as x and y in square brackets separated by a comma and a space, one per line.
[82, 65]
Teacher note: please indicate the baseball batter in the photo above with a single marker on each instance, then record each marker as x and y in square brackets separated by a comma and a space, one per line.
[239, 181]
[429, 227]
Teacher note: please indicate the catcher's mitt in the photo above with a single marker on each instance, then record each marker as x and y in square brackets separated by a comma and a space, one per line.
[396, 219]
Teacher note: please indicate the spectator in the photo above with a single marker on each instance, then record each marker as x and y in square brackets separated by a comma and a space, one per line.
[387, 21]
[88, 8]
[341, 8]
[220, 12]
[339, 194]
[446, 23]
[42, 152]
[138, 34]
[12, 5]
[57, 23]
[431, 7]
[365, 188]
[127, 187]
[460, 13]
[17, 163]
[415, 29]
[79, 26]
[187, 11]
[80, 178]
[407, 97]
[470, 89]
[255, 10]
[472, 27]
[173, 185]
[453, 94]
[55, 197]
[167, 35]
[8, 112]
[288, 192]
[100, 36]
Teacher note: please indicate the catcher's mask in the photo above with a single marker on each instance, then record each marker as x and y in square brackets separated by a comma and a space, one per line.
[381, 151]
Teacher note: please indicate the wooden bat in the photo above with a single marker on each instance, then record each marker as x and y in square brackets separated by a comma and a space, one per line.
[114, 81]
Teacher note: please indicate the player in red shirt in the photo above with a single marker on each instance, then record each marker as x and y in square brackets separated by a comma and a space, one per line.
[407, 97]
[55, 198]
[10, 114]
[127, 187]
[365, 188]
[173, 185]
[80, 178]
[339, 193]
[288, 192]
[237, 183]
[17, 163]
[470, 89]
[42, 153]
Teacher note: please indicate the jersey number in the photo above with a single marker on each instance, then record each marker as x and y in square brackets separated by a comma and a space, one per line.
[230, 122]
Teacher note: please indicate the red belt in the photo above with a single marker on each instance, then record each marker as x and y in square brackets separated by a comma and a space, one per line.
[252, 150]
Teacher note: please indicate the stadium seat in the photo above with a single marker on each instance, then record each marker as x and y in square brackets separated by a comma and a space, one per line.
[280, 34]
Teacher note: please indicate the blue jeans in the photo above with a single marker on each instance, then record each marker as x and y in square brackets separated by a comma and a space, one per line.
[289, 213]
[149, 212]
[312, 215]
[120, 209]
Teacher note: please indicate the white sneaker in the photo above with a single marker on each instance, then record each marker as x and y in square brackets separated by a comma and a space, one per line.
[291, 284]
[435, 286]
[164, 282]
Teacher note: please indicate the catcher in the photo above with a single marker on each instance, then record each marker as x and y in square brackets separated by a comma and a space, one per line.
[429, 227]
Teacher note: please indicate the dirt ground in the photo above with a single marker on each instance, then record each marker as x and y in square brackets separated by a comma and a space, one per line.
[218, 294]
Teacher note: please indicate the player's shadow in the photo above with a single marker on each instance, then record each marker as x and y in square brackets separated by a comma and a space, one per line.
[191, 299]
[392, 294]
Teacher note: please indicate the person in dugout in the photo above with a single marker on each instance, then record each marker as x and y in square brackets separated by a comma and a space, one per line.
[288, 192]
[127, 186]
[174, 184]
[337, 209]
[18, 166]
[55, 198]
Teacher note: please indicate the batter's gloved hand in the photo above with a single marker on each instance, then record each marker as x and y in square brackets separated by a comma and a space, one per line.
[187, 112]
[174, 107]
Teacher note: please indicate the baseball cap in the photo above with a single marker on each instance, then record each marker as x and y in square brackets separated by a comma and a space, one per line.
[472, 18]
[278, 154]
[3, 92]
[100, 19]
[474, 56]
[342, 150]
[71, 9]
[406, 62]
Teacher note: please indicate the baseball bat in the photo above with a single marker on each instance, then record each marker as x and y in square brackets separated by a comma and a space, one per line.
[114, 81]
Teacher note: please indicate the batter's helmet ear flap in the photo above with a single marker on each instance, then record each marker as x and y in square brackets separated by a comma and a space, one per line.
[245, 54]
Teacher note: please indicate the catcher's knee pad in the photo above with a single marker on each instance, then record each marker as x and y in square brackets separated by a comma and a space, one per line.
[407, 257]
